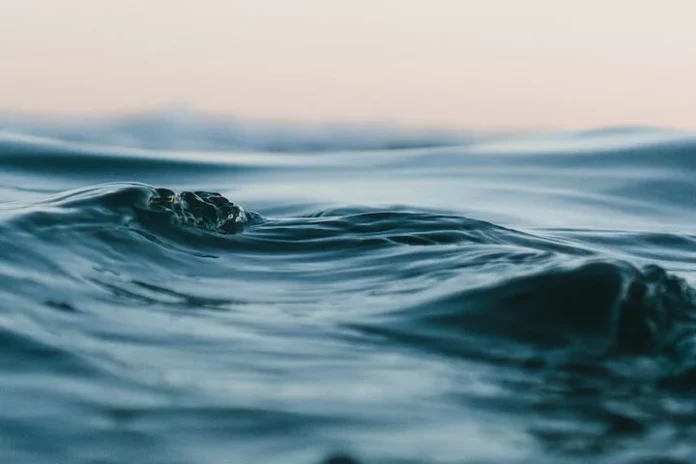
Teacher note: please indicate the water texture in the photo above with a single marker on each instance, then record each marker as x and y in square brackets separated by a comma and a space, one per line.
[318, 297]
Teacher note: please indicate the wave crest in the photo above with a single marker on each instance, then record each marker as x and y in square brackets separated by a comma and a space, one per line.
[595, 310]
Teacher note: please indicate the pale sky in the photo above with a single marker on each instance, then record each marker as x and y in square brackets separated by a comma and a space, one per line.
[481, 64]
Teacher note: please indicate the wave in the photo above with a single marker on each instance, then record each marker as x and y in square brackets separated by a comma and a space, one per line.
[594, 308]
[175, 129]
[210, 293]
[138, 207]
[138, 307]
[563, 297]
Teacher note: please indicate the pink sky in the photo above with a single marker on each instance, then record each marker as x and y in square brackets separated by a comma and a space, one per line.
[484, 64]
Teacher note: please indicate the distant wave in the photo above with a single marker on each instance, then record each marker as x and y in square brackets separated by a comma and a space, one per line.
[182, 130]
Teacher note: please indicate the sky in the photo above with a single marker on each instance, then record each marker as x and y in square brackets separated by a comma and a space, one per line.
[478, 64]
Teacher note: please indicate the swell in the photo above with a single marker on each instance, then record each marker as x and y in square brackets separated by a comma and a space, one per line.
[551, 295]
[115, 314]
[101, 163]
[564, 313]
[29, 154]
[177, 130]
[588, 151]
[125, 205]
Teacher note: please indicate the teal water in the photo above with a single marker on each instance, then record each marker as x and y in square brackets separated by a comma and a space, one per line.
[392, 298]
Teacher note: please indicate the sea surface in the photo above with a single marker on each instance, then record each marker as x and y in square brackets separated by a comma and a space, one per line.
[389, 297]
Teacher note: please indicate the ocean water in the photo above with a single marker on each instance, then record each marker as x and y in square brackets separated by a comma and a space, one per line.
[382, 297]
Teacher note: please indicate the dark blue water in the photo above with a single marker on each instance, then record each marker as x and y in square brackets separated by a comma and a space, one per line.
[387, 299]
